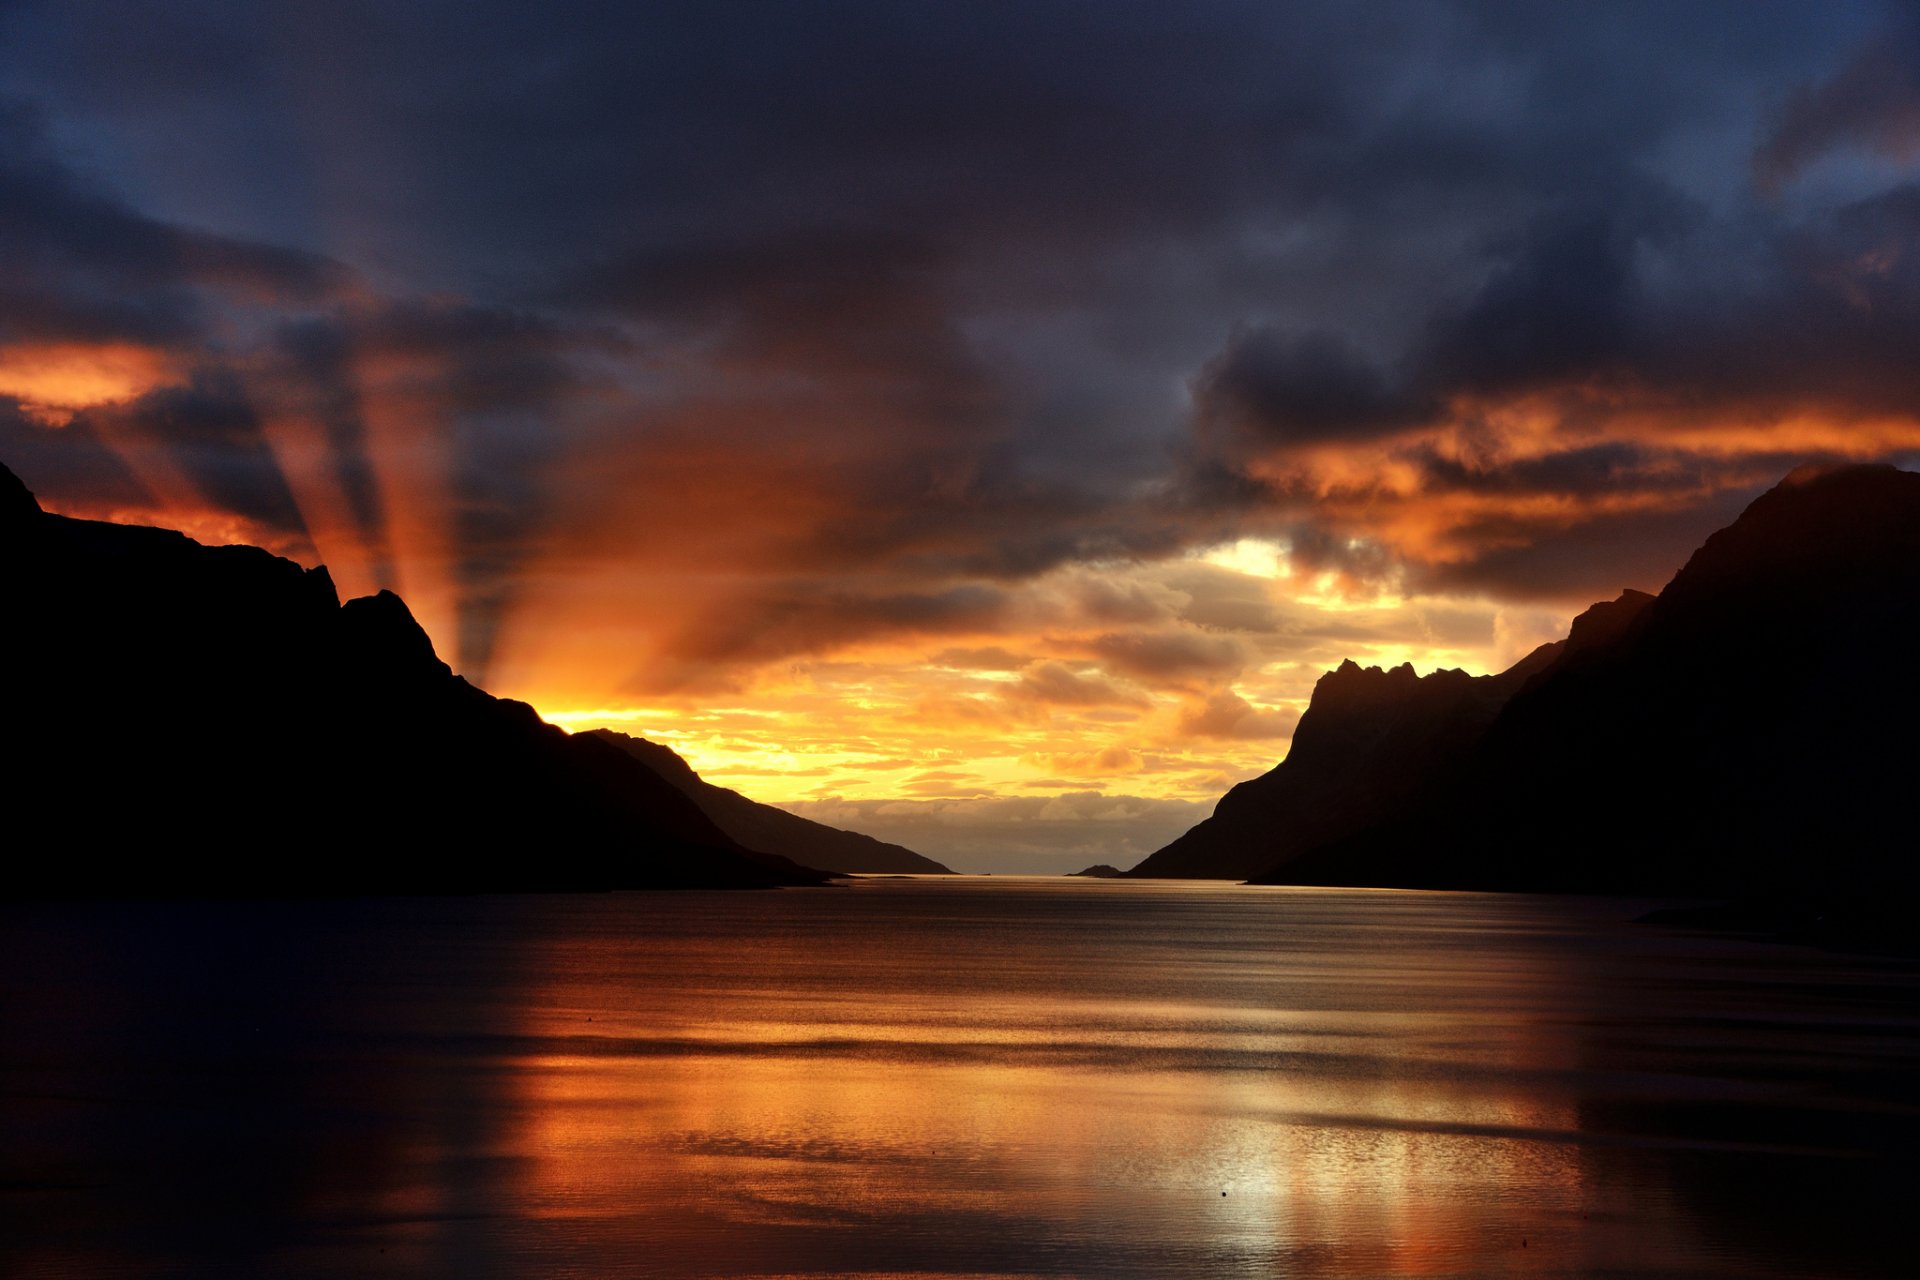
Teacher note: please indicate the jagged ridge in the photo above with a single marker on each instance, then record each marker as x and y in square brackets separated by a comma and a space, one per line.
[1748, 733]
[1368, 742]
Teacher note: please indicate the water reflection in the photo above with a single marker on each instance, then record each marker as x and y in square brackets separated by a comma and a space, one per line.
[960, 1077]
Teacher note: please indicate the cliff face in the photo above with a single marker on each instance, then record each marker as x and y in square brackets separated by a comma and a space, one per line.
[763, 826]
[291, 744]
[1369, 742]
[1748, 732]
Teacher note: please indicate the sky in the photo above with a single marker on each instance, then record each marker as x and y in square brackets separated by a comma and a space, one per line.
[978, 425]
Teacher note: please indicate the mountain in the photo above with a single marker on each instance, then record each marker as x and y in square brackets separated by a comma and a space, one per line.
[185, 719]
[1750, 732]
[1370, 742]
[762, 826]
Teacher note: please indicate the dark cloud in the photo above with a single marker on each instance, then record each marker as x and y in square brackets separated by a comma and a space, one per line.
[1585, 560]
[1054, 682]
[830, 300]
[1220, 599]
[1628, 330]
[1316, 548]
[1561, 306]
[1162, 655]
[68, 465]
[1302, 389]
[953, 513]
[1872, 103]
[1564, 302]
[210, 430]
[1106, 601]
[878, 312]
[80, 264]
[1588, 470]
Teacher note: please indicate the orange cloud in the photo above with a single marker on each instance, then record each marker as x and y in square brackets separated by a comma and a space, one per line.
[1228, 715]
[54, 381]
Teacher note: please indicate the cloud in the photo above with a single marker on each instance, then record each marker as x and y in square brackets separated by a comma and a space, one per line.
[1221, 599]
[1163, 655]
[1302, 388]
[1103, 599]
[808, 618]
[910, 358]
[53, 381]
[1620, 369]
[1586, 559]
[83, 266]
[1228, 715]
[1582, 471]
[208, 429]
[1872, 103]
[990, 658]
[71, 468]
[1054, 682]
[1095, 764]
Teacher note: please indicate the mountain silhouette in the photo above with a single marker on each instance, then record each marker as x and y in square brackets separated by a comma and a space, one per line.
[1368, 741]
[186, 719]
[763, 826]
[1369, 744]
[1746, 733]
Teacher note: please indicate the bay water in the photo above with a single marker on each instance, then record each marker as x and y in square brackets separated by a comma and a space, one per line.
[946, 1076]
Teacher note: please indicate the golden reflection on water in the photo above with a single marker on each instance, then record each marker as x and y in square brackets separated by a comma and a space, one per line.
[945, 1078]
[779, 1141]
[796, 1110]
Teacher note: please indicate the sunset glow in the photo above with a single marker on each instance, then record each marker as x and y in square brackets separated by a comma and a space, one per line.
[1027, 469]
[769, 640]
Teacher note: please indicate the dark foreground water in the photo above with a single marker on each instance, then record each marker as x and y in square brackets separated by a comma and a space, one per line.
[1001, 1077]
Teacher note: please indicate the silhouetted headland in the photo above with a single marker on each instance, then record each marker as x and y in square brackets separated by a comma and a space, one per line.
[1101, 871]
[1748, 733]
[763, 826]
[185, 719]
[1367, 741]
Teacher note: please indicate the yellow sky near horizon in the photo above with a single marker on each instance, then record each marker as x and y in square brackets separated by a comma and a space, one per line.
[1173, 708]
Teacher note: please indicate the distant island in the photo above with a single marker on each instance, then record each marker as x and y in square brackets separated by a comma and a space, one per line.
[185, 719]
[1102, 871]
[1748, 732]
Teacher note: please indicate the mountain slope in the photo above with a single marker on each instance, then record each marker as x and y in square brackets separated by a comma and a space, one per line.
[763, 826]
[297, 744]
[1751, 732]
[1369, 742]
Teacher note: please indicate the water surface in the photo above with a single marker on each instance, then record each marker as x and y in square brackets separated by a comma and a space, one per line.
[946, 1076]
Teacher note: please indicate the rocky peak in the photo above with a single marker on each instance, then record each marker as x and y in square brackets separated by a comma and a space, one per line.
[1353, 705]
[1353, 689]
[381, 626]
